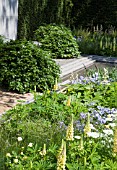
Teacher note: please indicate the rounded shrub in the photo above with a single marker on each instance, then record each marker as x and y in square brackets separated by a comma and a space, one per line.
[58, 40]
[23, 66]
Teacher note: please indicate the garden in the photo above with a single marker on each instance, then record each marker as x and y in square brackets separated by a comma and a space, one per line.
[72, 129]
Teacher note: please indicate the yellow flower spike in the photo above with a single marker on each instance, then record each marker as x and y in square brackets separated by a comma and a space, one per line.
[35, 88]
[101, 43]
[44, 149]
[61, 158]
[43, 152]
[87, 128]
[106, 76]
[115, 141]
[70, 131]
[114, 44]
[56, 85]
[81, 143]
[68, 101]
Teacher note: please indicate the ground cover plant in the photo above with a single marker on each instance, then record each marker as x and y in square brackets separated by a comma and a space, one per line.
[23, 66]
[72, 130]
[97, 42]
[58, 40]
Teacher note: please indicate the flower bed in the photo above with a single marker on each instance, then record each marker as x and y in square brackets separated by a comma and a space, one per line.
[83, 117]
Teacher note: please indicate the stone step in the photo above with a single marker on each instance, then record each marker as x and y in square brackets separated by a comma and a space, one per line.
[73, 67]
[74, 61]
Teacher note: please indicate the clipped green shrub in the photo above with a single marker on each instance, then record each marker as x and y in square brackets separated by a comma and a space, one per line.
[23, 66]
[58, 40]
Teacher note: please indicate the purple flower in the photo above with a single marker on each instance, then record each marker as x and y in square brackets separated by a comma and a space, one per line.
[83, 115]
[79, 126]
[62, 125]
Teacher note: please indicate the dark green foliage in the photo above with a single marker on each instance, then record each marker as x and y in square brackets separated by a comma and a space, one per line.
[33, 13]
[1, 40]
[71, 13]
[23, 65]
[58, 40]
[89, 13]
[97, 42]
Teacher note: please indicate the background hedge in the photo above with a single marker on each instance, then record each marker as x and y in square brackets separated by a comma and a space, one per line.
[71, 13]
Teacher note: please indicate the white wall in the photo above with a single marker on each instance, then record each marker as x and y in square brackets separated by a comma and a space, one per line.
[8, 18]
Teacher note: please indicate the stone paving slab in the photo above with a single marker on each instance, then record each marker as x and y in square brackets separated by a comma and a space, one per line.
[9, 99]
[103, 58]
[62, 62]
[69, 66]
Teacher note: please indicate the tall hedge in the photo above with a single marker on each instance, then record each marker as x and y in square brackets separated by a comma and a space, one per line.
[33, 13]
[71, 13]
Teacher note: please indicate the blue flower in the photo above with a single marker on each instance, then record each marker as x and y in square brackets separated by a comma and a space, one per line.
[83, 115]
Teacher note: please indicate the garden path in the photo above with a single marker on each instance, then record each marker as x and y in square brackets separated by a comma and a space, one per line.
[9, 99]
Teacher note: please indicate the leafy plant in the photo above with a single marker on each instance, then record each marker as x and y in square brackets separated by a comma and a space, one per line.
[58, 40]
[30, 157]
[97, 42]
[23, 66]
[83, 117]
[1, 40]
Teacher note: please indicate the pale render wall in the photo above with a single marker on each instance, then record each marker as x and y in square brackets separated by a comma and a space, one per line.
[8, 18]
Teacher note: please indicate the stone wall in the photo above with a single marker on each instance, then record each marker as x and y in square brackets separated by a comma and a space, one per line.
[8, 18]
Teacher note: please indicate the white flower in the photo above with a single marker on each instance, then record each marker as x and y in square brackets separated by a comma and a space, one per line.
[8, 155]
[109, 115]
[108, 132]
[19, 139]
[109, 119]
[16, 160]
[93, 134]
[105, 70]
[91, 126]
[115, 112]
[114, 115]
[110, 140]
[25, 157]
[103, 142]
[30, 144]
[112, 124]
[77, 137]
[22, 153]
